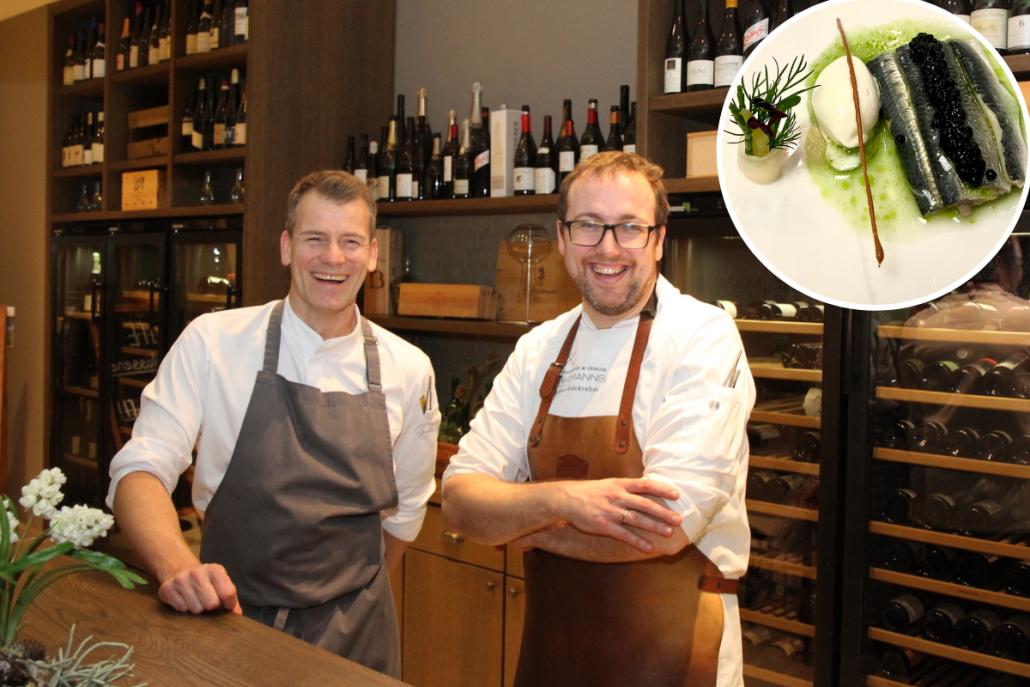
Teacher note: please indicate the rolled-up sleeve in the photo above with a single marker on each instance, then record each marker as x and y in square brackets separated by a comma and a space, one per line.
[171, 410]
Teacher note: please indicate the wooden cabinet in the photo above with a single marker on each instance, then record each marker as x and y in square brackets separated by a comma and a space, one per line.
[514, 615]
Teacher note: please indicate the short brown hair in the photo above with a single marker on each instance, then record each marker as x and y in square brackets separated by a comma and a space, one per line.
[335, 185]
[609, 164]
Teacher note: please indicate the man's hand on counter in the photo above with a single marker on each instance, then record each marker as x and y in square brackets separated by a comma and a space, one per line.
[205, 587]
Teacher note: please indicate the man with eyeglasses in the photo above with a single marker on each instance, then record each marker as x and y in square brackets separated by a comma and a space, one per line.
[612, 449]
[315, 434]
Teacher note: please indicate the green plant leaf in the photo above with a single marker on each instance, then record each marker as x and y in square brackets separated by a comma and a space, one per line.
[111, 565]
[38, 558]
[5, 531]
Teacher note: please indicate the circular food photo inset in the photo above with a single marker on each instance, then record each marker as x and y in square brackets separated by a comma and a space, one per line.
[941, 161]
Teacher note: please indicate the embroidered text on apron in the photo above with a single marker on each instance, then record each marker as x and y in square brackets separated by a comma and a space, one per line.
[295, 521]
[652, 623]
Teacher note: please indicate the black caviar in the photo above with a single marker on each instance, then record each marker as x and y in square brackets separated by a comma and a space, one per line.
[949, 116]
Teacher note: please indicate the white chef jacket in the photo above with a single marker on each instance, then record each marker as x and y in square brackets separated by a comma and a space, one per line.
[203, 387]
[694, 394]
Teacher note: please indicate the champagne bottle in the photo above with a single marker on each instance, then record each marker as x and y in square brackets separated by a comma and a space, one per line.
[592, 141]
[462, 164]
[361, 163]
[756, 27]
[388, 164]
[241, 22]
[191, 29]
[960, 8]
[676, 51]
[450, 154]
[99, 50]
[1018, 39]
[614, 140]
[204, 28]
[349, 158]
[701, 54]
[990, 18]
[432, 180]
[525, 157]
[728, 55]
[480, 151]
[629, 134]
[546, 171]
[568, 143]
[424, 139]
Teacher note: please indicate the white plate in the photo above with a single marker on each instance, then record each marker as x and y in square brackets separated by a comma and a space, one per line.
[807, 240]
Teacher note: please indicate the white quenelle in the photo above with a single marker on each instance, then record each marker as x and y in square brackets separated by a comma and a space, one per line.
[834, 104]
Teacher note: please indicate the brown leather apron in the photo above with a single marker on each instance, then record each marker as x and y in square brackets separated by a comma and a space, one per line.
[295, 521]
[656, 622]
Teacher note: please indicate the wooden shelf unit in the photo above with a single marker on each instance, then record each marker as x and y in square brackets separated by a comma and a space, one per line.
[773, 677]
[221, 59]
[955, 541]
[973, 336]
[774, 417]
[463, 207]
[933, 460]
[83, 172]
[952, 653]
[224, 210]
[780, 565]
[765, 368]
[779, 510]
[1010, 405]
[783, 464]
[791, 626]
[960, 591]
[780, 327]
[691, 185]
[80, 391]
[234, 154]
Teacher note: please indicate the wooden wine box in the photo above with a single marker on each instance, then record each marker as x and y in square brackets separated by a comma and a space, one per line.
[701, 154]
[143, 189]
[148, 130]
[551, 289]
[468, 301]
[380, 285]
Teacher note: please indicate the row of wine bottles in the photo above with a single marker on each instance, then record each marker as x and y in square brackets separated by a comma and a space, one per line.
[918, 669]
[788, 489]
[146, 36]
[778, 594]
[237, 192]
[83, 142]
[766, 439]
[969, 568]
[774, 650]
[695, 61]
[933, 436]
[993, 508]
[215, 120]
[90, 202]
[800, 311]
[1005, 313]
[947, 621]
[84, 57]
[217, 25]
[1008, 377]
[1004, 23]
[413, 163]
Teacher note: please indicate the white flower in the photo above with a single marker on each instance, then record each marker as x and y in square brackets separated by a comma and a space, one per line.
[80, 525]
[12, 525]
[43, 493]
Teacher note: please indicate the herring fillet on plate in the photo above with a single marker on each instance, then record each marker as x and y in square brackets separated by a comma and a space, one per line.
[956, 128]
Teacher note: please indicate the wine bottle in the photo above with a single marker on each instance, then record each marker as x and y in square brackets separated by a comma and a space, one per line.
[1015, 578]
[462, 164]
[137, 28]
[614, 140]
[221, 115]
[68, 73]
[405, 172]
[388, 164]
[623, 108]
[98, 139]
[979, 518]
[904, 613]
[592, 141]
[191, 29]
[629, 133]
[361, 163]
[240, 129]
[164, 36]
[807, 447]
[1018, 39]
[99, 67]
[568, 143]
[87, 141]
[899, 506]
[969, 378]
[1019, 453]
[546, 171]
[1003, 379]
[701, 54]
[215, 38]
[154, 38]
[895, 434]
[204, 28]
[973, 631]
[728, 54]
[144, 37]
[974, 569]
[450, 153]
[960, 8]
[676, 51]
[232, 107]
[226, 28]
[525, 157]
[1011, 639]
[757, 26]
[66, 145]
[990, 18]
[940, 622]
[373, 167]
[901, 664]
[121, 60]
[480, 151]
[940, 375]
[994, 445]
[432, 180]
[79, 63]
[811, 312]
[961, 443]
[936, 563]
[349, 158]
[781, 15]
[900, 555]
[762, 437]
[241, 22]
[757, 485]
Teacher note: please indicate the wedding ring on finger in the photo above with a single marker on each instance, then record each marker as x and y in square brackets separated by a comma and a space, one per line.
[625, 514]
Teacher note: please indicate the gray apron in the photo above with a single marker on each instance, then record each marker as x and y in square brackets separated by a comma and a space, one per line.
[295, 521]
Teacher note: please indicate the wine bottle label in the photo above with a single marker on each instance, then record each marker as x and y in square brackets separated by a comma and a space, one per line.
[67, 77]
[219, 137]
[241, 133]
[629, 148]
[77, 155]
[543, 180]
[98, 153]
[164, 48]
[87, 155]
[587, 150]
[99, 68]
[674, 75]
[191, 43]
[384, 187]
[726, 67]
[203, 42]
[701, 73]
[119, 62]
[187, 129]
[755, 33]
[523, 179]
[153, 55]
[361, 174]
[461, 187]
[241, 23]
[64, 156]
[728, 306]
[993, 25]
[482, 160]
[198, 140]
[78, 73]
[566, 160]
[215, 40]
[133, 57]
[76, 444]
[448, 168]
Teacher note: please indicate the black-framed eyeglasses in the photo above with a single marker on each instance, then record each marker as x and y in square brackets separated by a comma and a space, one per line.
[587, 233]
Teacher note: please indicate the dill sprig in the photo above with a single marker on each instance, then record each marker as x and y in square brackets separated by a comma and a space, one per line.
[766, 106]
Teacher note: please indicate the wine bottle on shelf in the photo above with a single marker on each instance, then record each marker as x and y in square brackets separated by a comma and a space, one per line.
[568, 143]
[728, 52]
[361, 161]
[757, 26]
[232, 107]
[373, 167]
[901, 664]
[974, 569]
[936, 563]
[701, 54]
[98, 139]
[225, 28]
[215, 32]
[991, 18]
[241, 22]
[68, 73]
[676, 51]
[973, 631]
[405, 177]
[757, 484]
[204, 28]
[480, 151]
[904, 613]
[984, 517]
[545, 173]
[143, 51]
[154, 38]
[592, 141]
[462, 163]
[900, 555]
[629, 133]
[960, 8]
[927, 436]
[1018, 39]
[79, 69]
[450, 154]
[87, 141]
[899, 507]
[1015, 578]
[240, 129]
[388, 164]
[99, 66]
[994, 445]
[525, 157]
[614, 140]
[137, 28]
[811, 312]
[763, 437]
[623, 108]
[807, 447]
[940, 622]
[1011, 639]
[164, 36]
[969, 379]
[940, 375]
[1019, 452]
[432, 181]
[895, 434]
[417, 159]
[66, 145]
[1003, 379]
[221, 116]
[350, 160]
[191, 28]
[960, 443]
[781, 15]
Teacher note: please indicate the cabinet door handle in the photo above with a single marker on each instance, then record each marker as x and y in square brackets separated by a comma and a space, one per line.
[453, 537]
[512, 592]
[490, 585]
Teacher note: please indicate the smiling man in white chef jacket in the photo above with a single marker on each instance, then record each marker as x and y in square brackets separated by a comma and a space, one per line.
[315, 434]
[612, 447]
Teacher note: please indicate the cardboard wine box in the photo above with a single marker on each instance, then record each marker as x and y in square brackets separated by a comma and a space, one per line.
[468, 301]
[505, 129]
[551, 290]
[143, 189]
[701, 154]
[380, 285]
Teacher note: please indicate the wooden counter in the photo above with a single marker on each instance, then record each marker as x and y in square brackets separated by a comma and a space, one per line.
[181, 650]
